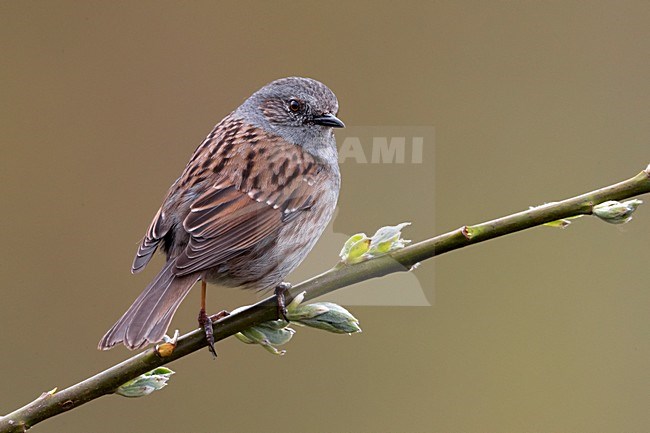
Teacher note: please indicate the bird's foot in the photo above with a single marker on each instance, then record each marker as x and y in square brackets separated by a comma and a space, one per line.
[205, 322]
[280, 291]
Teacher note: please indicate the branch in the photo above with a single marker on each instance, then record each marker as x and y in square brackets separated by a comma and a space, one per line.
[53, 403]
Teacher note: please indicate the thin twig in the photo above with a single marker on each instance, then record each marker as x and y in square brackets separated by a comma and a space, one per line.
[53, 403]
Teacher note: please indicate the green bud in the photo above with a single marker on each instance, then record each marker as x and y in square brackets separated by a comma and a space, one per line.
[297, 312]
[308, 311]
[146, 383]
[349, 243]
[276, 336]
[334, 318]
[387, 239]
[322, 315]
[558, 224]
[268, 335]
[615, 212]
[355, 248]
[360, 247]
[563, 223]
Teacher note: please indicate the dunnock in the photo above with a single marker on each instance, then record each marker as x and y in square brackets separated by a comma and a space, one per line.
[249, 206]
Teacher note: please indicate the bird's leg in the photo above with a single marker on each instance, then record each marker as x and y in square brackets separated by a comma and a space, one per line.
[205, 322]
[280, 291]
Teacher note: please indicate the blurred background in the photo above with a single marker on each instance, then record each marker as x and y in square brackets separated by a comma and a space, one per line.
[546, 330]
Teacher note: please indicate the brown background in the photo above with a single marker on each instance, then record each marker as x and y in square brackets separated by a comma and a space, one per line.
[544, 331]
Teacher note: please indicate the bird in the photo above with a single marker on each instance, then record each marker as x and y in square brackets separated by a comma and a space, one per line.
[250, 204]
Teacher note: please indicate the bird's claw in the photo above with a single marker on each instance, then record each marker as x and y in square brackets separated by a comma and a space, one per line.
[280, 291]
[205, 323]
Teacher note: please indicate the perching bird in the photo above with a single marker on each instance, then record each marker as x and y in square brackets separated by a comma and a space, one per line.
[251, 203]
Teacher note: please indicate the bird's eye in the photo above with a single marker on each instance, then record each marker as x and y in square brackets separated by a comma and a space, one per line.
[294, 105]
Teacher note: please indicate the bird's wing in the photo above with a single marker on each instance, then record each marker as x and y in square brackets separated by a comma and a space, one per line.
[226, 221]
[156, 232]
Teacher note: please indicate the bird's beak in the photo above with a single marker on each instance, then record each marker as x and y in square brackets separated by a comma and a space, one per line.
[328, 119]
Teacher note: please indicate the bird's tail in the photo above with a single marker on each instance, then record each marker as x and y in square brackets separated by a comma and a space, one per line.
[147, 320]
